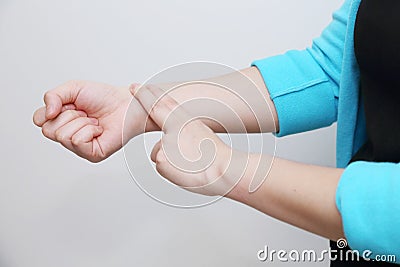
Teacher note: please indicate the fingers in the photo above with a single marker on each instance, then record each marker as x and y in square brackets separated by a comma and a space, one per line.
[155, 150]
[65, 134]
[77, 132]
[85, 144]
[39, 117]
[50, 127]
[171, 172]
[68, 107]
[61, 95]
[162, 108]
[163, 166]
[160, 159]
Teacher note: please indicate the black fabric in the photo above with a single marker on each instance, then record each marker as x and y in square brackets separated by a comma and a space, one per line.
[377, 49]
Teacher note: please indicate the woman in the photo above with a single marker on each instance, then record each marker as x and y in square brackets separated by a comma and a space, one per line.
[348, 76]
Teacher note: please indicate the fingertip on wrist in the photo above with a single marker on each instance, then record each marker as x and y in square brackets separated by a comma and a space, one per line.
[133, 88]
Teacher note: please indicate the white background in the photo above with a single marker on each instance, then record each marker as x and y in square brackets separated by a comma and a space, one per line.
[59, 210]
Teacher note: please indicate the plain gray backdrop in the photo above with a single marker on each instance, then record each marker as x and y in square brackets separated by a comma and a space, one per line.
[59, 210]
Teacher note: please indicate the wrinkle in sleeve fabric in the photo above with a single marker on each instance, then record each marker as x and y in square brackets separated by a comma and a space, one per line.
[304, 85]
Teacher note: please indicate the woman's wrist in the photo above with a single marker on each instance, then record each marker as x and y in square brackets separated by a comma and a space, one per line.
[241, 173]
[299, 194]
[248, 178]
[136, 121]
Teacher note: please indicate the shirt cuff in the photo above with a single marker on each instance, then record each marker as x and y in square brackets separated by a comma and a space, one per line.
[368, 199]
[302, 93]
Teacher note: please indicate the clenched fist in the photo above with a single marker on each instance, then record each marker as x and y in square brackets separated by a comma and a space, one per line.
[88, 117]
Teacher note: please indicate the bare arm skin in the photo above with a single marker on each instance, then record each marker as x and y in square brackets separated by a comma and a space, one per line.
[299, 194]
[87, 118]
[247, 96]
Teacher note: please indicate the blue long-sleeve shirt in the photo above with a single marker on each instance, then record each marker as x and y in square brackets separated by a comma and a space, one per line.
[317, 86]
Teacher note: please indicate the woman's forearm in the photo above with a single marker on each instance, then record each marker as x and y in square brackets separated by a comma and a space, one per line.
[299, 194]
[237, 102]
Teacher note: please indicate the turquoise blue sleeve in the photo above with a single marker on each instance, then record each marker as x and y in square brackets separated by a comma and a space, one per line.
[304, 85]
[369, 202]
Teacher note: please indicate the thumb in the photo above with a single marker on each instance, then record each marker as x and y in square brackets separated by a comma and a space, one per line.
[155, 150]
[61, 95]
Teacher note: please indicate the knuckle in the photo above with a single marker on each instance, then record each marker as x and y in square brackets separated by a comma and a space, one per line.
[94, 159]
[47, 95]
[142, 88]
[160, 157]
[76, 140]
[86, 120]
[71, 83]
[157, 109]
[168, 102]
[71, 114]
[60, 137]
